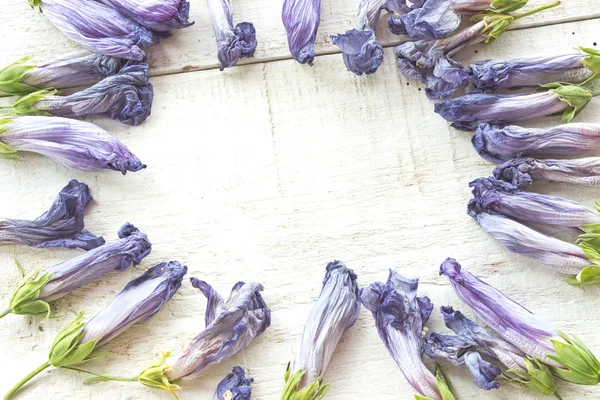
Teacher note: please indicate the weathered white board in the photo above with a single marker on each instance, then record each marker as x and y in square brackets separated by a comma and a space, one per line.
[267, 173]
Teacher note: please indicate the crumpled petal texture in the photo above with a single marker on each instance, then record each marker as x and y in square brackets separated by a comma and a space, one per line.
[301, 19]
[360, 51]
[61, 226]
[235, 386]
[435, 20]
[157, 15]
[139, 300]
[522, 172]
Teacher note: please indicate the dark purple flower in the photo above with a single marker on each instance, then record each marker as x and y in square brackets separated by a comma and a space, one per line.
[496, 196]
[502, 144]
[61, 226]
[467, 112]
[68, 142]
[399, 318]
[157, 15]
[232, 43]
[301, 19]
[125, 97]
[568, 357]
[97, 27]
[522, 172]
[234, 386]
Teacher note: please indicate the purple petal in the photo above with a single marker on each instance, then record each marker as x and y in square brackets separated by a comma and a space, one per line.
[214, 302]
[157, 15]
[435, 20]
[301, 19]
[360, 51]
[484, 374]
[522, 172]
[236, 385]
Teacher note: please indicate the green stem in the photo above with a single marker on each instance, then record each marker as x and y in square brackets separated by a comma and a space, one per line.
[100, 378]
[23, 381]
[5, 312]
[536, 10]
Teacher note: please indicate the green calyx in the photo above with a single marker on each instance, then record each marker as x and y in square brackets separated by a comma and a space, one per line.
[589, 241]
[443, 385]
[67, 349]
[314, 391]
[154, 376]
[13, 75]
[537, 378]
[5, 151]
[580, 364]
[505, 6]
[576, 96]
[26, 105]
[592, 62]
[25, 301]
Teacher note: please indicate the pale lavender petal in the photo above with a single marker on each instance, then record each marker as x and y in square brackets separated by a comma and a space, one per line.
[522, 172]
[158, 15]
[301, 19]
[234, 386]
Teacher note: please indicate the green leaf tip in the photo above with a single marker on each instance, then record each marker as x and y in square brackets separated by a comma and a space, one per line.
[13, 75]
[506, 6]
[67, 349]
[314, 391]
[576, 96]
[537, 377]
[580, 365]
[24, 300]
[27, 105]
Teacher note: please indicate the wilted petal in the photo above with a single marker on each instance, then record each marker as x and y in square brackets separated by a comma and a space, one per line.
[301, 19]
[360, 51]
[522, 172]
[61, 226]
[232, 329]
[445, 79]
[69, 142]
[234, 386]
[139, 300]
[399, 320]
[484, 374]
[501, 144]
[435, 20]
[158, 15]
[97, 27]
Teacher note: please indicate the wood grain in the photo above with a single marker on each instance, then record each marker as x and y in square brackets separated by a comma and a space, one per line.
[267, 173]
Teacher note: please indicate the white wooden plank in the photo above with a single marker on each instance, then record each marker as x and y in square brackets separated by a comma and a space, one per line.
[25, 31]
[267, 173]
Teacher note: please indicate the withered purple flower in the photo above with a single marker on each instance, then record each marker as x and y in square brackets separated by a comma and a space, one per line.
[157, 15]
[125, 97]
[335, 311]
[301, 20]
[139, 300]
[360, 50]
[68, 142]
[232, 43]
[566, 355]
[98, 27]
[235, 386]
[61, 226]
[497, 144]
[400, 317]
[523, 172]
[75, 69]
[467, 112]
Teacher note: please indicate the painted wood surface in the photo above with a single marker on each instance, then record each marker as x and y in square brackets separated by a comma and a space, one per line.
[266, 173]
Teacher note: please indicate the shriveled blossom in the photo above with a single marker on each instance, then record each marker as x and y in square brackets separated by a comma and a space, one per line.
[235, 386]
[139, 300]
[232, 43]
[97, 27]
[498, 144]
[61, 226]
[40, 288]
[125, 97]
[491, 75]
[468, 111]
[157, 15]
[335, 311]
[522, 172]
[75, 69]
[301, 20]
[68, 142]
[400, 317]
[360, 50]
[567, 356]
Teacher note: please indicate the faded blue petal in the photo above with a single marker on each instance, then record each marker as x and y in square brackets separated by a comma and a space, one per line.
[232, 43]
[67, 276]
[445, 79]
[492, 195]
[158, 15]
[522, 172]
[368, 14]
[231, 329]
[301, 19]
[399, 321]
[435, 20]
[139, 300]
[397, 6]
[61, 226]
[564, 257]
[502, 144]
[334, 312]
[360, 51]
[99, 28]
[234, 386]
[125, 97]
[484, 374]
[69, 142]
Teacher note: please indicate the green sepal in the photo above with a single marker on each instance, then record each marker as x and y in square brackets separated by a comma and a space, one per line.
[154, 376]
[495, 24]
[67, 349]
[443, 385]
[314, 391]
[587, 276]
[592, 62]
[24, 300]
[577, 97]
[581, 366]
[12, 76]
[538, 377]
[34, 3]
[4, 149]
[505, 6]
[26, 105]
